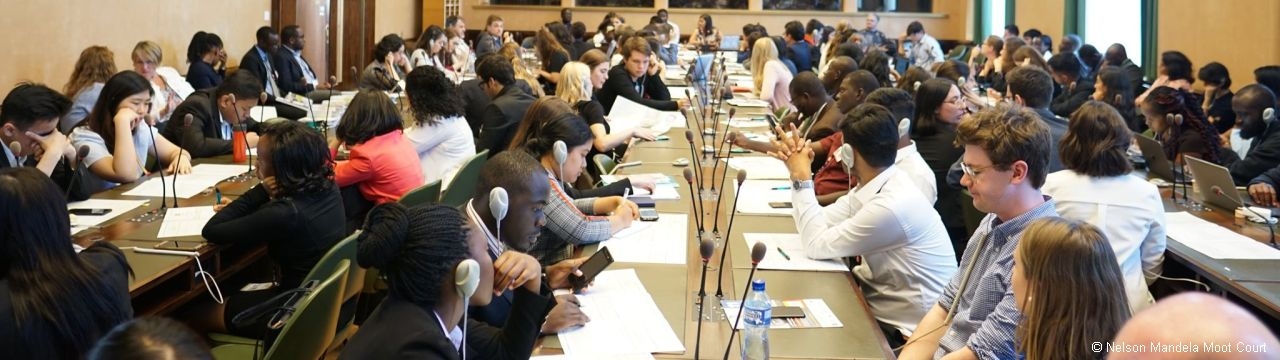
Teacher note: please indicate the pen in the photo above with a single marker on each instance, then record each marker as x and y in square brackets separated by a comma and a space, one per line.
[217, 196]
[782, 188]
[784, 253]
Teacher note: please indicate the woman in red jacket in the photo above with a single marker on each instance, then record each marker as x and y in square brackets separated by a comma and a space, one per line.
[382, 165]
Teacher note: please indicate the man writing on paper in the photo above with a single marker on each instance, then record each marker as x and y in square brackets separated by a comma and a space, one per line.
[527, 189]
[906, 255]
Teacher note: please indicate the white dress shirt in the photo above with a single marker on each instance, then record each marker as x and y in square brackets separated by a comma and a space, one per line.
[907, 258]
[442, 148]
[910, 162]
[1129, 212]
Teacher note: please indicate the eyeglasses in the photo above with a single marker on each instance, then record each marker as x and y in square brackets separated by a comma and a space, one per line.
[973, 171]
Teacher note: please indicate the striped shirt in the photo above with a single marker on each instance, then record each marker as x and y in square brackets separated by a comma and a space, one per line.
[568, 224]
[987, 316]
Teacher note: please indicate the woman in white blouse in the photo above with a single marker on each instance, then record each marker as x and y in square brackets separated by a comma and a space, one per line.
[168, 86]
[1096, 187]
[435, 124]
[119, 137]
[430, 49]
[772, 78]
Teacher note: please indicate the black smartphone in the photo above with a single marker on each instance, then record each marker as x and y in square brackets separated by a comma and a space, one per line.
[89, 212]
[780, 204]
[592, 267]
[648, 214]
[181, 245]
[788, 312]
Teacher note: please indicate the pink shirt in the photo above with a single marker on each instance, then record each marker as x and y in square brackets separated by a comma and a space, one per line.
[776, 86]
[384, 167]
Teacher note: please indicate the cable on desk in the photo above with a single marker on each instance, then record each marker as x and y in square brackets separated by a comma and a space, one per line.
[210, 283]
[1205, 286]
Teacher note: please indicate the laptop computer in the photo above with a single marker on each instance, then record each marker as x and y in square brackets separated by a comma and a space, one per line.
[1210, 176]
[1157, 163]
[730, 42]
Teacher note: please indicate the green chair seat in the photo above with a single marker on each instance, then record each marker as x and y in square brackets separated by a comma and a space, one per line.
[463, 186]
[425, 194]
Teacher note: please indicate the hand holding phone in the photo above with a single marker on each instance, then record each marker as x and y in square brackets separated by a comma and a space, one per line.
[89, 212]
[589, 269]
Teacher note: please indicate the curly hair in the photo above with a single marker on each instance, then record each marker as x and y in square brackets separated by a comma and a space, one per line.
[1165, 101]
[96, 65]
[416, 248]
[877, 62]
[432, 96]
[300, 157]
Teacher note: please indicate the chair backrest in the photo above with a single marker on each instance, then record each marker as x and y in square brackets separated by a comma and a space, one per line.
[604, 163]
[425, 194]
[463, 185]
[308, 333]
[345, 249]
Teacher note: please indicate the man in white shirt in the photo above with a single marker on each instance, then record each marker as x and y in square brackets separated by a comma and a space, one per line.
[673, 37]
[925, 50]
[907, 257]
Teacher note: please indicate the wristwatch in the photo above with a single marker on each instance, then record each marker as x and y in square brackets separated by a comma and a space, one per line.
[797, 185]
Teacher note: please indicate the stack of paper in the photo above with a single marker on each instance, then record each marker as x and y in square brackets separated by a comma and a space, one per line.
[761, 167]
[746, 122]
[627, 114]
[817, 314]
[655, 242]
[201, 178]
[1215, 241]
[185, 221]
[664, 186]
[84, 222]
[624, 320]
[794, 258]
[756, 196]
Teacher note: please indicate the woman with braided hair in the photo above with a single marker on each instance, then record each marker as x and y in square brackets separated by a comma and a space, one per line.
[1175, 117]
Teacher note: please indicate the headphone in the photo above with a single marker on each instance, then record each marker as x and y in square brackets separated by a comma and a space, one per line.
[1176, 119]
[561, 153]
[1269, 114]
[498, 205]
[466, 278]
[904, 126]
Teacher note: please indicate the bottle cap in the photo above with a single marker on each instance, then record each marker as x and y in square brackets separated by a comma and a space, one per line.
[757, 285]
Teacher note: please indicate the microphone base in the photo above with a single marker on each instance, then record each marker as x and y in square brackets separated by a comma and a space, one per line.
[149, 217]
[709, 305]
[709, 195]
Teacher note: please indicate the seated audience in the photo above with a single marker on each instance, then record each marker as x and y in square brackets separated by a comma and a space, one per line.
[430, 49]
[879, 221]
[872, 38]
[1206, 318]
[1175, 72]
[571, 220]
[575, 88]
[208, 61]
[817, 116]
[419, 251]
[383, 164]
[877, 63]
[926, 51]
[215, 114]
[1068, 288]
[552, 54]
[835, 71]
[507, 106]
[296, 211]
[1268, 76]
[29, 118]
[56, 303]
[1092, 60]
[1069, 73]
[991, 61]
[1096, 187]
[460, 57]
[1004, 67]
[1117, 56]
[706, 37]
[294, 72]
[958, 72]
[771, 78]
[1112, 88]
[120, 136]
[797, 48]
[523, 72]
[260, 61]
[150, 338]
[1217, 96]
[1181, 128]
[435, 126]
[913, 78]
[1032, 88]
[1250, 107]
[388, 67]
[1005, 162]
[635, 81]
[580, 44]
[908, 158]
[95, 65]
[168, 87]
[492, 38]
[938, 111]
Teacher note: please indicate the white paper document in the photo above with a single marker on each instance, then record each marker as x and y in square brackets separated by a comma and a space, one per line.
[817, 314]
[678, 92]
[645, 356]
[1215, 241]
[262, 113]
[84, 222]
[627, 114]
[749, 103]
[790, 244]
[761, 167]
[653, 242]
[660, 192]
[185, 221]
[624, 320]
[201, 178]
[756, 195]
[746, 122]
[227, 170]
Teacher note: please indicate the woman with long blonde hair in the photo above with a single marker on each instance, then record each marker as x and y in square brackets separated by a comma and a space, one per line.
[95, 66]
[1068, 287]
[772, 78]
[511, 51]
[575, 89]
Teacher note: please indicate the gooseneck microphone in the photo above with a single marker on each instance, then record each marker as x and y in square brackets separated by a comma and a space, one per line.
[693, 156]
[81, 153]
[733, 213]
[705, 249]
[182, 141]
[757, 253]
[688, 95]
[164, 194]
[1271, 228]
[693, 201]
[716, 152]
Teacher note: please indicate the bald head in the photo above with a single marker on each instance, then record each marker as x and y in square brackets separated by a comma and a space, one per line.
[1217, 327]
[836, 70]
[1254, 97]
[807, 93]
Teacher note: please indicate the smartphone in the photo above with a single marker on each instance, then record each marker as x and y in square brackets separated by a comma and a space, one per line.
[648, 214]
[181, 245]
[788, 312]
[594, 265]
[89, 212]
[780, 204]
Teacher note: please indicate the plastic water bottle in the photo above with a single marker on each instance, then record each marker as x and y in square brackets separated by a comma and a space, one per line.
[757, 314]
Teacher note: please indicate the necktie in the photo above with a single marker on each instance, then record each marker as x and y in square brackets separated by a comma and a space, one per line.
[272, 86]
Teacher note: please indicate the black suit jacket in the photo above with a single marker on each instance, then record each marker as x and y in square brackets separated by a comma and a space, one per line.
[654, 93]
[252, 63]
[1263, 155]
[201, 75]
[1069, 100]
[292, 78]
[399, 329]
[204, 137]
[501, 118]
[61, 175]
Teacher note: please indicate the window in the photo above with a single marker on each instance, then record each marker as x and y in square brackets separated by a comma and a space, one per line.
[920, 6]
[1109, 22]
[708, 4]
[614, 3]
[996, 17]
[811, 5]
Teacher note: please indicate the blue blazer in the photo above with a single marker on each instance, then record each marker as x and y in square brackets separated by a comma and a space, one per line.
[201, 75]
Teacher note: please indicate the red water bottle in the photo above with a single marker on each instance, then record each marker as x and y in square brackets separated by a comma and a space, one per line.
[238, 145]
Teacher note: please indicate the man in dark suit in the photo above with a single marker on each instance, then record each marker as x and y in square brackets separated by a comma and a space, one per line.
[580, 45]
[1069, 72]
[29, 132]
[295, 72]
[491, 39]
[1117, 56]
[503, 115]
[259, 62]
[214, 115]
[633, 80]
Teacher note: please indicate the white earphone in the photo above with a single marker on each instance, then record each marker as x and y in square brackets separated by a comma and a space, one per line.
[561, 153]
[1176, 119]
[904, 127]
[1269, 114]
[498, 205]
[466, 278]
[845, 156]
